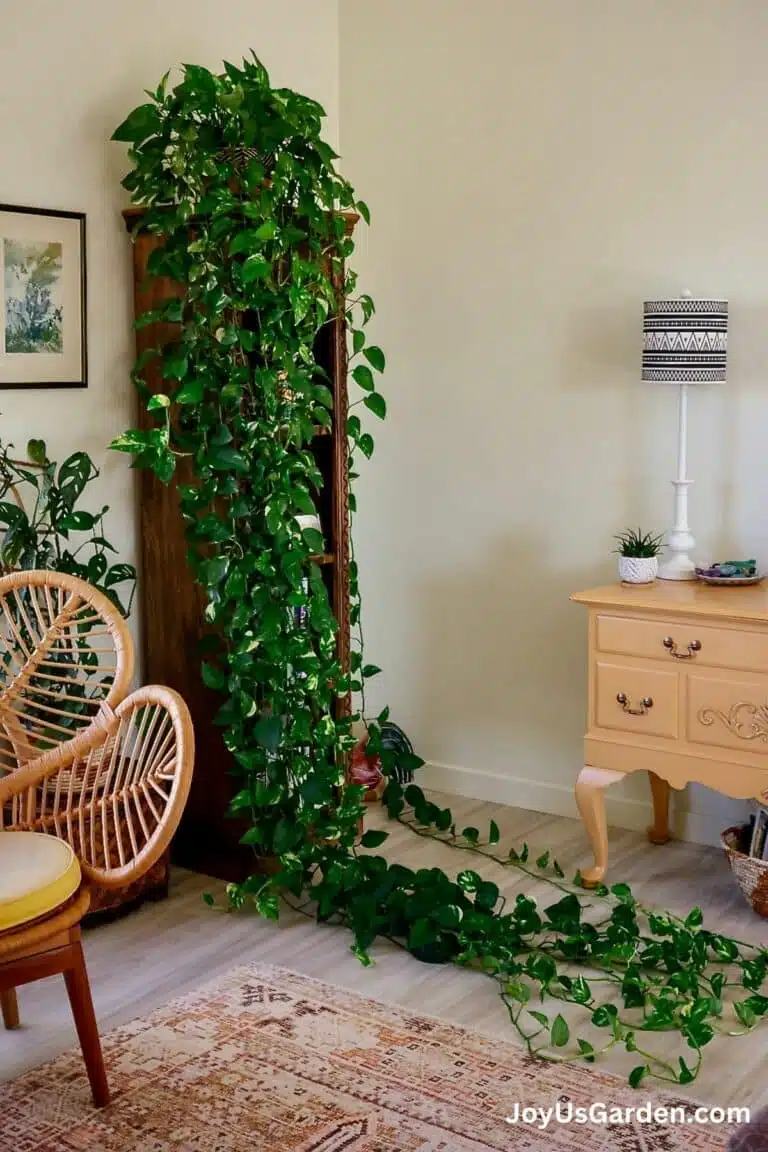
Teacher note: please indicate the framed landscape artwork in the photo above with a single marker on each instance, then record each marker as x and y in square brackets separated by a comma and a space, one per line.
[42, 318]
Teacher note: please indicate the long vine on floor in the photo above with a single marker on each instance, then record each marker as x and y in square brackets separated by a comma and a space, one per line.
[239, 185]
[658, 972]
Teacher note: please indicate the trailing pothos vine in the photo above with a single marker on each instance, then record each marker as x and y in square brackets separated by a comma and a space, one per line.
[234, 176]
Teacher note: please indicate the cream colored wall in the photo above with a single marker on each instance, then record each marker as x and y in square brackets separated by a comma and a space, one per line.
[535, 168]
[69, 73]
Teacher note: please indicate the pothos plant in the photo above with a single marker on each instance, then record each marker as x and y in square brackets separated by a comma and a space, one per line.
[235, 177]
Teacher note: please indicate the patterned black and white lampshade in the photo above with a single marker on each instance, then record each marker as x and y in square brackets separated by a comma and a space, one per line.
[685, 341]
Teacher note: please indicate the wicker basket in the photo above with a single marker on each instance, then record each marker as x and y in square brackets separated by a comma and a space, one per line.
[751, 874]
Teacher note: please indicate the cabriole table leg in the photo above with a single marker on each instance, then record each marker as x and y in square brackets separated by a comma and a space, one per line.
[658, 833]
[590, 798]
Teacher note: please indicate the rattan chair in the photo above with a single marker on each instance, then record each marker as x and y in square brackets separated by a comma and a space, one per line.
[92, 782]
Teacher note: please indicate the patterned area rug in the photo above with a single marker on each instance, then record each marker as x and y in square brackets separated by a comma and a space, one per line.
[265, 1060]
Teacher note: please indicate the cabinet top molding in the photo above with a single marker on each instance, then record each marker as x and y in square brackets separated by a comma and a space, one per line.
[690, 599]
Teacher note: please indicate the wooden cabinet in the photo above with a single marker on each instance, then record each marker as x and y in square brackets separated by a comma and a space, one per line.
[678, 687]
[171, 604]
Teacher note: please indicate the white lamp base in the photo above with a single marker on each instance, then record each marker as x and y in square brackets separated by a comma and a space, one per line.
[677, 564]
[679, 567]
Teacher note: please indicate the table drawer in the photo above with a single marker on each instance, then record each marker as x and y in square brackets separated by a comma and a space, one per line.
[622, 696]
[687, 643]
[728, 713]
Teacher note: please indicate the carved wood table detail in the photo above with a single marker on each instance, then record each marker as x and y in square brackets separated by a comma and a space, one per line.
[678, 688]
[747, 721]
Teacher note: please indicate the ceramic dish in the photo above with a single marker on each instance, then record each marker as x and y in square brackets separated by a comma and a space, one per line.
[735, 581]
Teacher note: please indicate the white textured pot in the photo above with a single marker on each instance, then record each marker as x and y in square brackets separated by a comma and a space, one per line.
[638, 569]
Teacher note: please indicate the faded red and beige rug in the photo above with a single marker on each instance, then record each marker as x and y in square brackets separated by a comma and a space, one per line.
[265, 1060]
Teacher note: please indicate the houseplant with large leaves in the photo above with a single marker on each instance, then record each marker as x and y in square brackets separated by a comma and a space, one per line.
[43, 525]
[235, 177]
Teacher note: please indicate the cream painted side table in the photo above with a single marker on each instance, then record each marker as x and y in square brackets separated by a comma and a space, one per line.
[678, 688]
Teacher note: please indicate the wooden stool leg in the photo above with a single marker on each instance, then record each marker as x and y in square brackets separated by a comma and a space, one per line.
[590, 798]
[658, 833]
[79, 992]
[10, 1007]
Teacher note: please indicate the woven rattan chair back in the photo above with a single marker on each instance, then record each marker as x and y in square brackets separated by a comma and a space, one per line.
[65, 657]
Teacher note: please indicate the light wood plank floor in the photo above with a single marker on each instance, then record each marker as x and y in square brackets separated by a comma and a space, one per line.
[165, 949]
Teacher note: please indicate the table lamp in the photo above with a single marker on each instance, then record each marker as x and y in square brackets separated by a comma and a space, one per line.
[684, 342]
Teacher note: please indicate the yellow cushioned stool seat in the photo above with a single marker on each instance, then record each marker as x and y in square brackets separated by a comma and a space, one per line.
[38, 873]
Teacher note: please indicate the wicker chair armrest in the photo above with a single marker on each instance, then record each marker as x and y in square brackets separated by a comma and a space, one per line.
[118, 800]
[53, 760]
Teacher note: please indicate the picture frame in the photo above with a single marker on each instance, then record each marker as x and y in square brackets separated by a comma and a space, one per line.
[43, 321]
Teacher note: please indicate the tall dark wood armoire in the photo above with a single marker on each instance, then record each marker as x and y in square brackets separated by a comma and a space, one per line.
[171, 604]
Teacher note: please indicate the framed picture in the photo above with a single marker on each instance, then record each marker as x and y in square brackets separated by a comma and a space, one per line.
[42, 317]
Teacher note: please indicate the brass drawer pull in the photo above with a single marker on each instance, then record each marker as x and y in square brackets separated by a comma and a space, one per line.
[671, 647]
[626, 704]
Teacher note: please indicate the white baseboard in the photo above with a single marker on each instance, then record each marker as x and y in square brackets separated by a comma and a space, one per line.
[699, 826]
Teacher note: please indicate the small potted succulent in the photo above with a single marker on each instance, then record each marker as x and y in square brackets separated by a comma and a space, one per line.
[638, 556]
